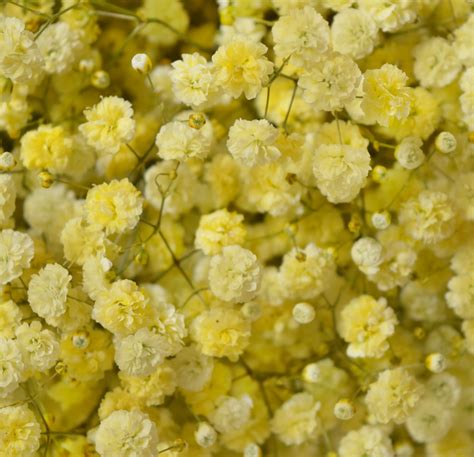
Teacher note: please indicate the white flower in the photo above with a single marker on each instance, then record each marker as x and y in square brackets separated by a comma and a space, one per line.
[367, 254]
[234, 275]
[16, 252]
[253, 142]
[390, 15]
[364, 442]
[11, 366]
[126, 434]
[409, 154]
[231, 413]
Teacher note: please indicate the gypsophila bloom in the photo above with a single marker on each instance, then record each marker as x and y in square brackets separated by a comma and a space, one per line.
[205, 435]
[446, 142]
[366, 324]
[385, 94]
[297, 419]
[193, 369]
[115, 206]
[10, 317]
[367, 254]
[231, 413]
[109, 125]
[393, 396]
[178, 141]
[302, 36]
[20, 59]
[126, 434]
[234, 274]
[16, 252]
[354, 33]
[253, 142]
[436, 64]
[390, 15]
[462, 44]
[429, 217]
[139, 354]
[20, 432]
[219, 229]
[241, 67]
[7, 197]
[303, 313]
[11, 366]
[47, 291]
[329, 85]
[409, 154]
[221, 332]
[122, 308]
[304, 272]
[192, 79]
[141, 63]
[366, 441]
[340, 171]
[344, 409]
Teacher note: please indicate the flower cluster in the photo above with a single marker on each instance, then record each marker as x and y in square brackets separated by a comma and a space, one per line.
[236, 227]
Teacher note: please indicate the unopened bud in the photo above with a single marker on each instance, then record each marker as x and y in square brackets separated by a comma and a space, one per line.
[303, 313]
[252, 450]
[46, 179]
[381, 220]
[378, 173]
[205, 435]
[435, 362]
[311, 373]
[445, 142]
[7, 161]
[86, 66]
[197, 120]
[344, 409]
[100, 79]
[142, 63]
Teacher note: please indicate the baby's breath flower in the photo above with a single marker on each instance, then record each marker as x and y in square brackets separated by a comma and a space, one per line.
[409, 154]
[16, 252]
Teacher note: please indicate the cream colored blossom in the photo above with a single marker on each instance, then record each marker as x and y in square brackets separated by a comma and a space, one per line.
[219, 229]
[304, 272]
[241, 67]
[47, 291]
[16, 252]
[428, 217]
[20, 59]
[390, 15]
[393, 396]
[115, 206]
[436, 63]
[386, 95]
[340, 171]
[123, 308]
[409, 153]
[253, 142]
[10, 317]
[463, 39]
[193, 369]
[231, 413]
[302, 36]
[109, 125]
[367, 254]
[460, 294]
[354, 33]
[234, 274]
[331, 83]
[366, 441]
[11, 366]
[20, 432]
[126, 434]
[7, 197]
[366, 324]
[221, 332]
[297, 419]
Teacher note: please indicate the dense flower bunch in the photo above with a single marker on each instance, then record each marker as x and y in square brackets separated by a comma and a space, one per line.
[236, 228]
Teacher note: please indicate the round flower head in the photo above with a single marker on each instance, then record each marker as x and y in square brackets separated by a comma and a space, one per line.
[340, 171]
[386, 95]
[366, 441]
[366, 324]
[122, 309]
[435, 362]
[354, 33]
[11, 366]
[20, 59]
[192, 79]
[446, 142]
[304, 273]
[331, 83]
[344, 409]
[126, 434]
[219, 229]
[253, 142]
[302, 36]
[139, 354]
[16, 252]
[176, 140]
[193, 369]
[409, 154]
[393, 396]
[390, 15]
[115, 206]
[109, 125]
[221, 332]
[463, 40]
[205, 435]
[241, 67]
[367, 254]
[436, 63]
[47, 291]
[231, 413]
[297, 419]
[20, 432]
[428, 217]
[141, 63]
[234, 274]
[303, 313]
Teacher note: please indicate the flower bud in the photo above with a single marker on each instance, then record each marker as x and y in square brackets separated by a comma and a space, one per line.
[205, 435]
[311, 373]
[86, 66]
[197, 121]
[141, 63]
[445, 142]
[344, 409]
[303, 313]
[378, 173]
[80, 340]
[409, 154]
[252, 450]
[381, 220]
[251, 310]
[435, 362]
[100, 79]
[7, 161]
[46, 179]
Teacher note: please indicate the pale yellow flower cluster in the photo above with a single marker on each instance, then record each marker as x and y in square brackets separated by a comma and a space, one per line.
[236, 228]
